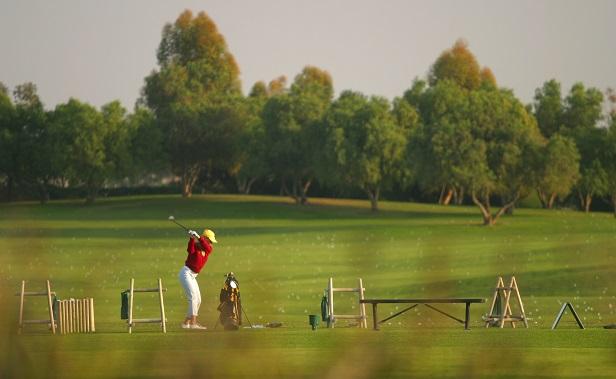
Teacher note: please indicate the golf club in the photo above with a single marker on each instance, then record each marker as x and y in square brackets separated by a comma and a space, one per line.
[171, 218]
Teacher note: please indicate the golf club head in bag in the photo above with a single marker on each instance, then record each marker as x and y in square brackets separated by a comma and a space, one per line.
[230, 306]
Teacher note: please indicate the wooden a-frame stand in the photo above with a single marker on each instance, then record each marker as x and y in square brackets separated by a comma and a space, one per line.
[48, 293]
[132, 321]
[361, 318]
[500, 310]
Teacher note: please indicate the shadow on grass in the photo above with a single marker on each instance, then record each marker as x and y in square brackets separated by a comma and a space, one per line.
[231, 207]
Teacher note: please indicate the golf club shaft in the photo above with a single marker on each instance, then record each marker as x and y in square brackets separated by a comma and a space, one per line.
[180, 225]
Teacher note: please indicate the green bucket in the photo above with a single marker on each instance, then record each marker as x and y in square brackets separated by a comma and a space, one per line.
[314, 321]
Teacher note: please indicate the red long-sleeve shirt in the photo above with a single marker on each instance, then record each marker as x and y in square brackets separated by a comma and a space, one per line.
[196, 257]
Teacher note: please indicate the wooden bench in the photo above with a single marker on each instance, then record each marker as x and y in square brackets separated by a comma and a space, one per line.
[416, 302]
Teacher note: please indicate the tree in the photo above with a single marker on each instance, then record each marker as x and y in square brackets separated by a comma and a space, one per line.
[117, 140]
[22, 141]
[558, 171]
[480, 141]
[581, 116]
[7, 120]
[593, 182]
[460, 66]
[610, 151]
[583, 108]
[437, 147]
[149, 157]
[81, 129]
[365, 146]
[252, 161]
[548, 108]
[293, 126]
[197, 84]
[501, 123]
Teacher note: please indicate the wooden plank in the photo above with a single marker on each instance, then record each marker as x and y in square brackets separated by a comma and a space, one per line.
[467, 316]
[499, 285]
[35, 293]
[424, 301]
[21, 306]
[130, 306]
[146, 289]
[92, 324]
[49, 303]
[375, 324]
[349, 317]
[362, 307]
[36, 321]
[146, 320]
[162, 306]
[517, 290]
[346, 289]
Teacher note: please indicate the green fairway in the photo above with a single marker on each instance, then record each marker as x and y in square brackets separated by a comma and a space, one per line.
[283, 255]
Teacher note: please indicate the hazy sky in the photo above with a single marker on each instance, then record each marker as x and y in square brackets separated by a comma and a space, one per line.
[99, 51]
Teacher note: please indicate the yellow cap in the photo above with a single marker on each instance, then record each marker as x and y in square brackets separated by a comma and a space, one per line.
[210, 235]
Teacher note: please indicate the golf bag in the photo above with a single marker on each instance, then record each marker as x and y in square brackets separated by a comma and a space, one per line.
[230, 306]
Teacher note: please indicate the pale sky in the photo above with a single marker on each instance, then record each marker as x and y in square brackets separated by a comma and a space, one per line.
[99, 51]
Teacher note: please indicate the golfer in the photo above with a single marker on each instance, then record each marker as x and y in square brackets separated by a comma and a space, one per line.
[199, 249]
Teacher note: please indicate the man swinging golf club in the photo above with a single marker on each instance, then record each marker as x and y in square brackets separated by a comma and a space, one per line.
[199, 249]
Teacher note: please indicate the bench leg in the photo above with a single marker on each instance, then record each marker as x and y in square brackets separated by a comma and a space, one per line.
[375, 323]
[467, 315]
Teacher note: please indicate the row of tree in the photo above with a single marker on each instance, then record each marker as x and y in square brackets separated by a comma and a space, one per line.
[75, 144]
[455, 134]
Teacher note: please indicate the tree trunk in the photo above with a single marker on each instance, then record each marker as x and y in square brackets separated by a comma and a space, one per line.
[509, 211]
[284, 191]
[249, 185]
[542, 198]
[587, 203]
[373, 195]
[506, 207]
[9, 189]
[448, 197]
[484, 206]
[459, 196]
[303, 190]
[243, 185]
[91, 192]
[441, 195]
[551, 200]
[190, 175]
[294, 193]
[43, 192]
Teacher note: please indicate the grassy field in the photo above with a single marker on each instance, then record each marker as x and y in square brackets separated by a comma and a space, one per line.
[283, 256]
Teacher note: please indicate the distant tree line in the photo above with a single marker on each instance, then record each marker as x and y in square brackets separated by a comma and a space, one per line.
[455, 136]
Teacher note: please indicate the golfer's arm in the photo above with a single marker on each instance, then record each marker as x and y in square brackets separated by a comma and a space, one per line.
[191, 246]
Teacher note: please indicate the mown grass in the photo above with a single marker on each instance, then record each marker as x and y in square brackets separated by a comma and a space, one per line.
[283, 256]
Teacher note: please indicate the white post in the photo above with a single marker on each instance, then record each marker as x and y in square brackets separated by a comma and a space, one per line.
[162, 306]
[130, 306]
[362, 306]
[21, 306]
[330, 302]
[92, 325]
[53, 323]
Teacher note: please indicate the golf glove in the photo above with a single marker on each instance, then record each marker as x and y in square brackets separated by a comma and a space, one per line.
[194, 234]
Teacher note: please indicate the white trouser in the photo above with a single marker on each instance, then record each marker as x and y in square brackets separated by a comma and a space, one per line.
[191, 288]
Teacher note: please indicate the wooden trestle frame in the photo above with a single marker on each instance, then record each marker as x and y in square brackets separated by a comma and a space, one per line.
[500, 310]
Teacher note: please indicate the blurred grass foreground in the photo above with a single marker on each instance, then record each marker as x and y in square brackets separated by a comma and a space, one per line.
[283, 256]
